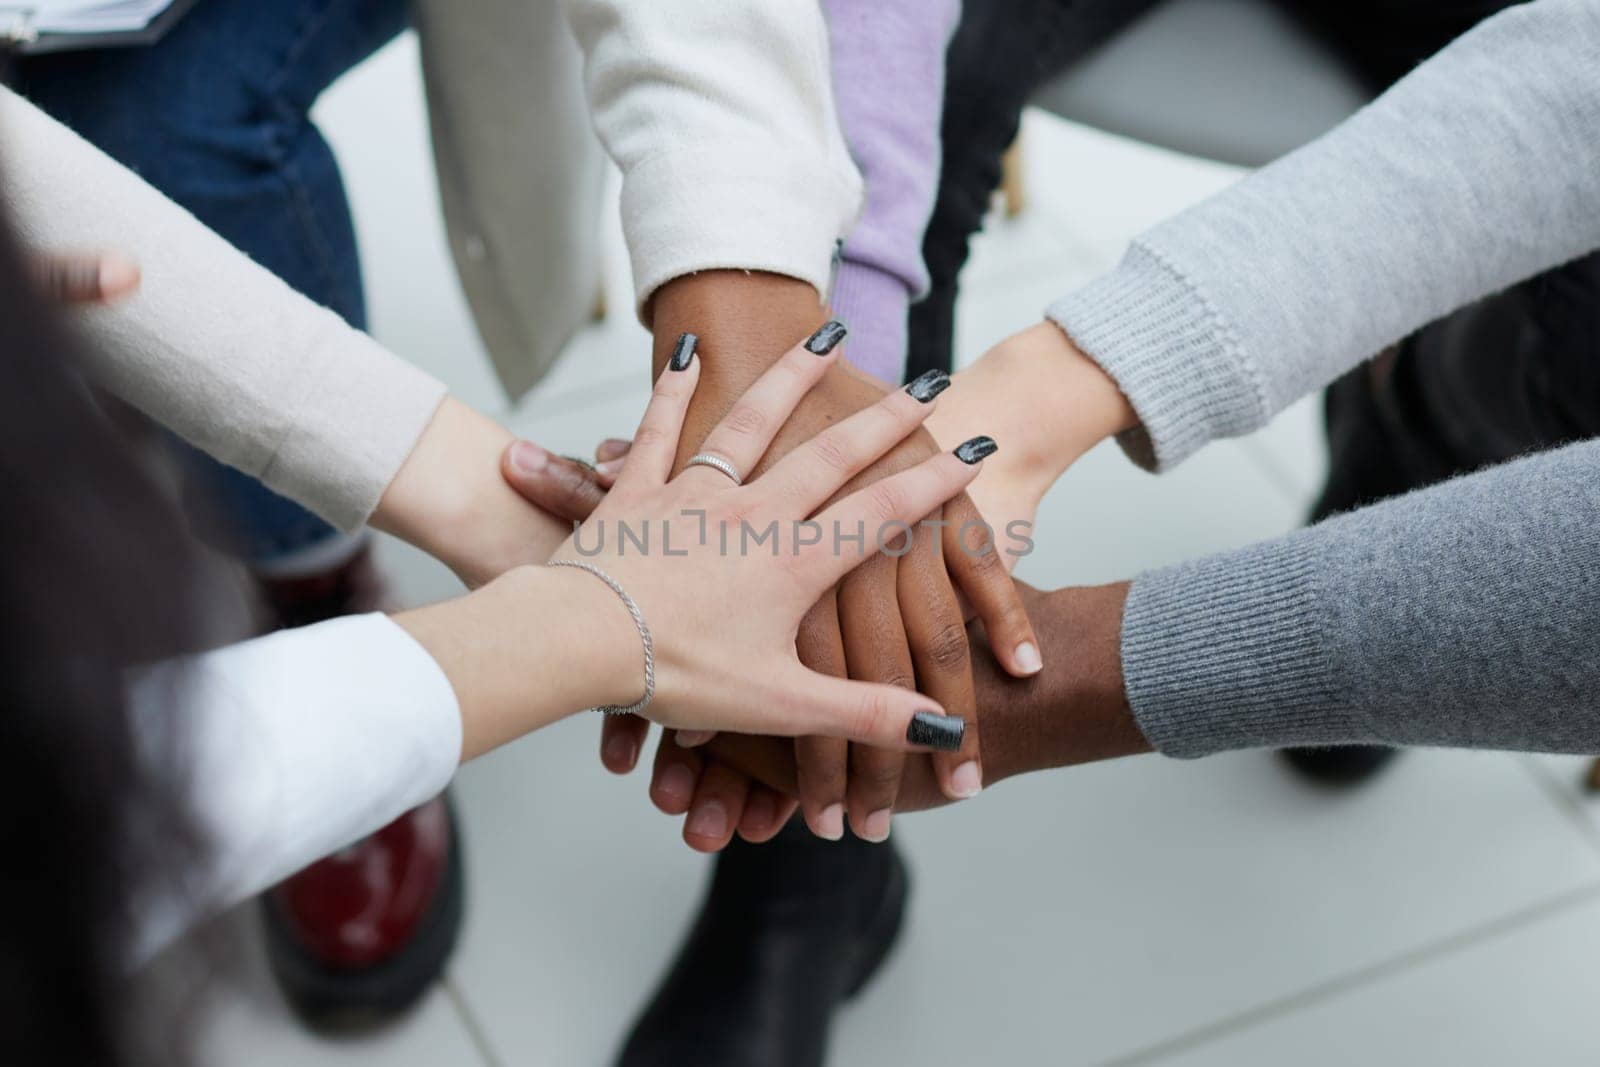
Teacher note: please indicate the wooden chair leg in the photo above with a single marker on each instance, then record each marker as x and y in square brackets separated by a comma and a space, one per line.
[1013, 185]
[1593, 782]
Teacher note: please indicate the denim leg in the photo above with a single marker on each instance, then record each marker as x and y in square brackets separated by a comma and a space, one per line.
[217, 116]
[1003, 51]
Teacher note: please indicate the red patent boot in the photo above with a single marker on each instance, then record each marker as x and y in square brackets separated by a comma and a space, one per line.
[357, 938]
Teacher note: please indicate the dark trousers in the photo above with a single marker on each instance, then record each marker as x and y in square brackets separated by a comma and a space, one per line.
[1518, 372]
[218, 117]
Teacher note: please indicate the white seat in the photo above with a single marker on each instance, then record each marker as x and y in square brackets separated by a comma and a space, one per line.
[1231, 80]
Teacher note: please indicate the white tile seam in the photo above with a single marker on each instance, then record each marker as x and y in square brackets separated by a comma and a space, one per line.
[477, 1033]
[1333, 988]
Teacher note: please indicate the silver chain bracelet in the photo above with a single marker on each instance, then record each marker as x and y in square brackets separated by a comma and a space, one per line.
[644, 635]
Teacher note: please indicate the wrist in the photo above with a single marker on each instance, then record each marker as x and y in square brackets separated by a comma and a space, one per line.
[600, 650]
[1060, 402]
[450, 500]
[1076, 710]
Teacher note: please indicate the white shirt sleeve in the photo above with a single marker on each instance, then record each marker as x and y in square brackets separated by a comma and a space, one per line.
[721, 117]
[290, 747]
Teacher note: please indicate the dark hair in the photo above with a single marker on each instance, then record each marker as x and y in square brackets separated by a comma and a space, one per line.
[96, 577]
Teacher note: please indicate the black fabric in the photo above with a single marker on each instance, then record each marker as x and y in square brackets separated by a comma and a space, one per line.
[1005, 50]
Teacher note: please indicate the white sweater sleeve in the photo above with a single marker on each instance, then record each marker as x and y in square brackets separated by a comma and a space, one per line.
[721, 117]
[290, 747]
[214, 346]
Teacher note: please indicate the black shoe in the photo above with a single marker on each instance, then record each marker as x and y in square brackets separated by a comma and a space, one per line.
[789, 931]
[1340, 766]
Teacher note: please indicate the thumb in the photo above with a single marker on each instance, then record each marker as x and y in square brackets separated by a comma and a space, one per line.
[883, 716]
[565, 488]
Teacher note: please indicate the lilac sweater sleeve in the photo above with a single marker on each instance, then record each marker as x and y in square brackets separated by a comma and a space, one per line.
[888, 73]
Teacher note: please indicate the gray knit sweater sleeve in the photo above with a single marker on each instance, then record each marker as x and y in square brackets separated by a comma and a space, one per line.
[1465, 615]
[1479, 169]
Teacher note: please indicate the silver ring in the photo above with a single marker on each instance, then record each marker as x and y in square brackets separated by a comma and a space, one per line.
[716, 463]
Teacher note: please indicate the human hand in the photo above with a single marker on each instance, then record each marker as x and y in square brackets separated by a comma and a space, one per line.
[871, 637]
[1075, 711]
[1056, 404]
[769, 691]
[734, 312]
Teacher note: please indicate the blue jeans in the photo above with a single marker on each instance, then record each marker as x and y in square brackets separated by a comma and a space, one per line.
[217, 116]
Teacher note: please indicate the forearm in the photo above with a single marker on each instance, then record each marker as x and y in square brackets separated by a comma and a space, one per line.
[1463, 616]
[1075, 710]
[528, 649]
[450, 500]
[743, 321]
[214, 346]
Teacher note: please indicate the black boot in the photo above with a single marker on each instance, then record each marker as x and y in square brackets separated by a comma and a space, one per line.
[789, 931]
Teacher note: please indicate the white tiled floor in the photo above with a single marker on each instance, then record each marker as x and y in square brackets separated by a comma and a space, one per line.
[1145, 911]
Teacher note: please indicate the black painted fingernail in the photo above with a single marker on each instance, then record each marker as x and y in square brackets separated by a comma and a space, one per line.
[930, 385]
[932, 730]
[683, 351]
[827, 338]
[977, 448]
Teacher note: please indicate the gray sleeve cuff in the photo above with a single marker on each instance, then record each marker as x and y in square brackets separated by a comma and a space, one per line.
[1168, 350]
[1229, 652]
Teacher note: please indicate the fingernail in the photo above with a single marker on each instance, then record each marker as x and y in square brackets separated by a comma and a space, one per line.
[875, 827]
[830, 824]
[759, 812]
[967, 780]
[977, 448]
[528, 457]
[827, 338]
[928, 386]
[117, 275]
[708, 820]
[611, 448]
[693, 738]
[932, 730]
[621, 750]
[1028, 658]
[683, 351]
[677, 783]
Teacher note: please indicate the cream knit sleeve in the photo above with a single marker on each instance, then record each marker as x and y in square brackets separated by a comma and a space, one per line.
[214, 346]
[721, 117]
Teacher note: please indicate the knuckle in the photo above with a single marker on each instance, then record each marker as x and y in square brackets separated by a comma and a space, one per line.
[899, 677]
[946, 648]
[649, 436]
[876, 774]
[821, 774]
[832, 453]
[870, 714]
[746, 421]
[886, 500]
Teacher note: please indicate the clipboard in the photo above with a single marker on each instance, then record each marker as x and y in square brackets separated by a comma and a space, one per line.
[20, 37]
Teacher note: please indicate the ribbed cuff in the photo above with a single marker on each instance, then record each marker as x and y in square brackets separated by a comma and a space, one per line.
[1228, 652]
[874, 303]
[735, 207]
[1171, 355]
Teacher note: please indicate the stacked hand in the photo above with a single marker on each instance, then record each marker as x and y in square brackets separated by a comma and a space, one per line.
[753, 784]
